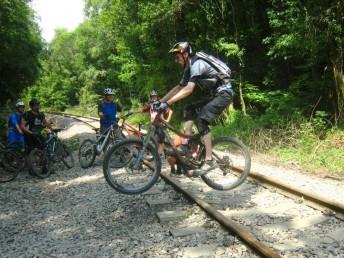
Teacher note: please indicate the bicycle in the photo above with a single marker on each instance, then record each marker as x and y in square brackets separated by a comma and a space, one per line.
[12, 161]
[127, 169]
[50, 151]
[89, 149]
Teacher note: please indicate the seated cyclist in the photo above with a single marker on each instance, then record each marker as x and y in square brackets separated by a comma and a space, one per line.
[33, 123]
[15, 135]
[166, 116]
[199, 73]
[107, 110]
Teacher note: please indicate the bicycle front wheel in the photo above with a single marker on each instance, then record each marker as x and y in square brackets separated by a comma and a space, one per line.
[87, 153]
[127, 169]
[64, 154]
[234, 163]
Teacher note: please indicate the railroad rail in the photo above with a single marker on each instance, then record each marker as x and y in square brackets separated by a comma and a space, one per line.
[310, 199]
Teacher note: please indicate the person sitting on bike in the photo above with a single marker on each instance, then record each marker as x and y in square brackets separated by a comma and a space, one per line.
[204, 75]
[33, 124]
[15, 135]
[166, 116]
[107, 110]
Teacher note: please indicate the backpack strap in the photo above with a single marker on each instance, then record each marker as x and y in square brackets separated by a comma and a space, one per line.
[220, 73]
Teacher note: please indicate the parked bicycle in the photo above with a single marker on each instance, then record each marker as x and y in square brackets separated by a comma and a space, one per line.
[90, 149]
[128, 170]
[12, 161]
[51, 151]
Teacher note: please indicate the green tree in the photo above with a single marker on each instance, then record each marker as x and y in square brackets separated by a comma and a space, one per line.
[21, 45]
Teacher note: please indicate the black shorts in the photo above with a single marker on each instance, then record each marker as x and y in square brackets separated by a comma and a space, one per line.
[208, 110]
[32, 142]
[159, 135]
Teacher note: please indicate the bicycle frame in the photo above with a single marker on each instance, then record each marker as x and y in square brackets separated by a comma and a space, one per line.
[107, 134]
[49, 145]
[185, 162]
[130, 130]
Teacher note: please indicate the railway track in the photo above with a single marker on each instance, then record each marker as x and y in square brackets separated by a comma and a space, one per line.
[272, 218]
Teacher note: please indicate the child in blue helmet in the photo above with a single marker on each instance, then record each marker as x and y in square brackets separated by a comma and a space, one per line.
[107, 110]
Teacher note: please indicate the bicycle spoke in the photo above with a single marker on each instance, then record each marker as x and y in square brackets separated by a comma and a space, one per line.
[230, 155]
[127, 170]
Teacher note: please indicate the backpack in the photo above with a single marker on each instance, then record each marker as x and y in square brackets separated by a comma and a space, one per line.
[224, 72]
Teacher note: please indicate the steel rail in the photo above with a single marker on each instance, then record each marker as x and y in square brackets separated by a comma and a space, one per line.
[314, 200]
[229, 224]
[75, 117]
[311, 198]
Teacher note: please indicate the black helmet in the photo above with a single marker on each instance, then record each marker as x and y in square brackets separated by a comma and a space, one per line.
[33, 102]
[153, 93]
[181, 47]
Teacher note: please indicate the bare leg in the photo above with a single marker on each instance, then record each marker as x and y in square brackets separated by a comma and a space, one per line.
[161, 148]
[208, 146]
[188, 127]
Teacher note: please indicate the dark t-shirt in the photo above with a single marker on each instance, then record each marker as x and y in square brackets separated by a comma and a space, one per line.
[34, 121]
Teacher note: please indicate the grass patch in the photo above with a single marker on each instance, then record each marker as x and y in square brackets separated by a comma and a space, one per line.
[307, 143]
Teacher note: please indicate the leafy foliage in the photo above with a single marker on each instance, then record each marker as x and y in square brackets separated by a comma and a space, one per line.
[20, 47]
[286, 58]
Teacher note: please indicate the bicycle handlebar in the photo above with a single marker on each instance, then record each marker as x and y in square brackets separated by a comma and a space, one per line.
[129, 114]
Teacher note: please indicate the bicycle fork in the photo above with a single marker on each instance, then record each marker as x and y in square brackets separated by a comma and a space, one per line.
[146, 140]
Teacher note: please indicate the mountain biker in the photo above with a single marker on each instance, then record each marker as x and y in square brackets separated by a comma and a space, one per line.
[15, 135]
[201, 74]
[33, 124]
[166, 116]
[107, 110]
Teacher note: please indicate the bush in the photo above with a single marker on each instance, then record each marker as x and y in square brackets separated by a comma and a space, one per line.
[293, 138]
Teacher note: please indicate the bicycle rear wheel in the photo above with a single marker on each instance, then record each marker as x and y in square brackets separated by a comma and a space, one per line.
[87, 153]
[234, 164]
[39, 163]
[126, 168]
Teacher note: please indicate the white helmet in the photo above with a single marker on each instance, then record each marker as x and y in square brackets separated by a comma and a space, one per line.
[109, 91]
[20, 104]
[153, 93]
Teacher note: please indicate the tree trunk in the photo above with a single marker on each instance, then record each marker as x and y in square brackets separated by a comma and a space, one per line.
[338, 76]
[339, 91]
[241, 96]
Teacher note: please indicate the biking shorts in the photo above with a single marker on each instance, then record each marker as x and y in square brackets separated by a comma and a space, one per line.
[31, 142]
[205, 112]
[159, 135]
[15, 139]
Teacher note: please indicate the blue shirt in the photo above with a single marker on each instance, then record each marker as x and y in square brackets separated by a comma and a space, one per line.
[109, 110]
[14, 119]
